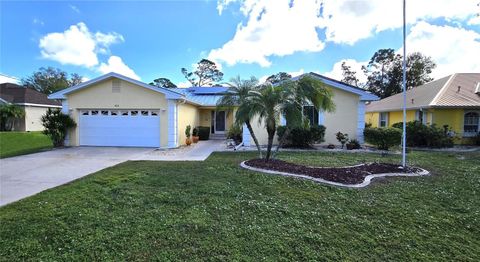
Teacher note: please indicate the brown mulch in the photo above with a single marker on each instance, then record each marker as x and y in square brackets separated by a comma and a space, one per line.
[345, 175]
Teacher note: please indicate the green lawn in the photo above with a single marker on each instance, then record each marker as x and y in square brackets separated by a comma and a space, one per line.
[214, 210]
[20, 143]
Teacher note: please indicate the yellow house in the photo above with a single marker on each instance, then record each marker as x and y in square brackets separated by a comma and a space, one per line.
[452, 101]
[114, 110]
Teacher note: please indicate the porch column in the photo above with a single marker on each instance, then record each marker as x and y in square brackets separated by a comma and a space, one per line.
[246, 138]
[321, 117]
[172, 124]
[361, 121]
[283, 121]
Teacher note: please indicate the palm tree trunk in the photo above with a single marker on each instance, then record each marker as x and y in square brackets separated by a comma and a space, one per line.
[270, 144]
[282, 141]
[252, 134]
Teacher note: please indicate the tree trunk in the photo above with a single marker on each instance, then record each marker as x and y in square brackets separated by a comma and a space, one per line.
[252, 134]
[282, 141]
[271, 135]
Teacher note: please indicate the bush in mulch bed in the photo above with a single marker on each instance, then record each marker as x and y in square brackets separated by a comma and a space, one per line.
[346, 175]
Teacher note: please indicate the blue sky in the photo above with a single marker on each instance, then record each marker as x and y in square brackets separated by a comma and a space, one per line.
[151, 39]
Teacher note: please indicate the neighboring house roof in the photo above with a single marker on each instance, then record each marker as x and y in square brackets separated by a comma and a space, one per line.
[170, 94]
[15, 94]
[8, 79]
[457, 90]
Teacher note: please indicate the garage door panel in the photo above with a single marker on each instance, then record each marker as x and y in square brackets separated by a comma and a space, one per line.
[106, 130]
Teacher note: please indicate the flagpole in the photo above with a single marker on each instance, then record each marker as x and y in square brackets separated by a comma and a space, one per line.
[404, 84]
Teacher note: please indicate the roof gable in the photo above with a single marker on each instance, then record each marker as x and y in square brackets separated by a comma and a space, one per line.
[438, 93]
[170, 94]
[364, 95]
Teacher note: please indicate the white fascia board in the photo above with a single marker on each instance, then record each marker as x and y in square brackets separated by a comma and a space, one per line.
[168, 93]
[37, 105]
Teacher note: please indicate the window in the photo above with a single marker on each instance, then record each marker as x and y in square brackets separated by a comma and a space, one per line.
[383, 119]
[104, 112]
[124, 113]
[311, 113]
[144, 113]
[134, 113]
[470, 124]
[85, 113]
[154, 113]
[113, 113]
[94, 112]
[421, 116]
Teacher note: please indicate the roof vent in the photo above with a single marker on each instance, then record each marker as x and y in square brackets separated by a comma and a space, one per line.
[477, 89]
[116, 86]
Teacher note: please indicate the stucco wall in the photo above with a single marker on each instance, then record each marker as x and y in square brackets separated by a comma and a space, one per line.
[33, 117]
[345, 117]
[261, 133]
[131, 96]
[187, 115]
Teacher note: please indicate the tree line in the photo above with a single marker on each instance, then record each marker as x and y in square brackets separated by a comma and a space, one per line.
[383, 73]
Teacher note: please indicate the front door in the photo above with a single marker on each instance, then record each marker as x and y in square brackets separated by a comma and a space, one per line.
[220, 122]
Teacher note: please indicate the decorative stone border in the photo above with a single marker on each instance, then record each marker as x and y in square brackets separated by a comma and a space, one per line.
[365, 182]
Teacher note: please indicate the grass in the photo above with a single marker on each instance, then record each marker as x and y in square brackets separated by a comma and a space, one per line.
[20, 143]
[214, 210]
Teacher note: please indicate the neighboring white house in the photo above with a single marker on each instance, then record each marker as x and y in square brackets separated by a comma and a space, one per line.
[33, 102]
[8, 79]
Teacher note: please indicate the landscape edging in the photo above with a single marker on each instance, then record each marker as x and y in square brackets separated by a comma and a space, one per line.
[365, 182]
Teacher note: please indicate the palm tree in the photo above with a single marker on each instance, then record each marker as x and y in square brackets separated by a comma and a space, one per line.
[238, 91]
[270, 102]
[305, 91]
[8, 114]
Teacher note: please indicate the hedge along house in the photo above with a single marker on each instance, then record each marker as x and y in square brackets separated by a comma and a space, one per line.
[453, 100]
[114, 110]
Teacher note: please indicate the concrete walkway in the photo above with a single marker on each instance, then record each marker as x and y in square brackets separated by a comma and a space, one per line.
[27, 175]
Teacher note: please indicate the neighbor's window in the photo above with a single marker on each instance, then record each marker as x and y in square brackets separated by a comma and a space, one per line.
[421, 116]
[383, 119]
[311, 113]
[470, 123]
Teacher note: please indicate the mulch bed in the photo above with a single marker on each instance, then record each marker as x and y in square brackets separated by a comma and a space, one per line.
[345, 175]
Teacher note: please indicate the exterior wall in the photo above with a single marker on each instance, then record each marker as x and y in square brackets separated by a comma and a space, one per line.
[345, 117]
[453, 117]
[187, 115]
[130, 96]
[261, 133]
[33, 115]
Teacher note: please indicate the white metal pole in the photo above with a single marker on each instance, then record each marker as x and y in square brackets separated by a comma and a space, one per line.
[404, 133]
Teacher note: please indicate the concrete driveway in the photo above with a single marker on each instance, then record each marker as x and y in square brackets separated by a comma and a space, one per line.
[27, 175]
[23, 176]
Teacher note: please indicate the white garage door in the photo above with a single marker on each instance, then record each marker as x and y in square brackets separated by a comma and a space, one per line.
[134, 128]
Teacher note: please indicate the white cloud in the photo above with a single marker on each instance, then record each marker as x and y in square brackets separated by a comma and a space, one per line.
[336, 72]
[282, 27]
[184, 84]
[77, 45]
[115, 64]
[474, 20]
[37, 21]
[454, 49]
[273, 28]
[74, 8]
[352, 20]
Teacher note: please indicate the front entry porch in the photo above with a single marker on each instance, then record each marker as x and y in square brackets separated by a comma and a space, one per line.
[219, 121]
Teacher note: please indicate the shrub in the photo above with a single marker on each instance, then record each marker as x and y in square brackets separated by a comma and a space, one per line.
[342, 138]
[353, 144]
[476, 139]
[187, 131]
[195, 131]
[56, 126]
[8, 115]
[383, 138]
[204, 132]
[302, 137]
[235, 133]
[421, 135]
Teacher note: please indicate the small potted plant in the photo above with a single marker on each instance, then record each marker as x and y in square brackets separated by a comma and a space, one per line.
[342, 138]
[188, 141]
[195, 136]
